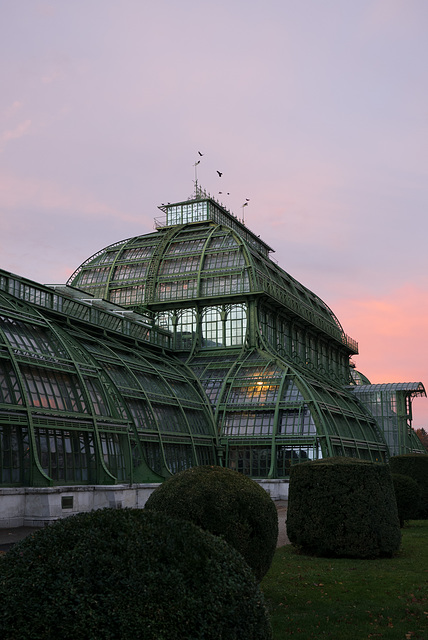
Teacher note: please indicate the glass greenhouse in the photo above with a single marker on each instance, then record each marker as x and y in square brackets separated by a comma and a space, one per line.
[185, 346]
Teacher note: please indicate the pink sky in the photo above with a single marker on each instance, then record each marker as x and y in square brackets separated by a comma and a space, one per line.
[316, 111]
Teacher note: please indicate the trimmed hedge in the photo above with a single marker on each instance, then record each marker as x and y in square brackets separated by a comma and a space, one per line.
[129, 574]
[227, 504]
[414, 465]
[407, 495]
[343, 507]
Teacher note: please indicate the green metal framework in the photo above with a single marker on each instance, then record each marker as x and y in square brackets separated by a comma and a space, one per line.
[88, 395]
[185, 346]
[391, 404]
[271, 355]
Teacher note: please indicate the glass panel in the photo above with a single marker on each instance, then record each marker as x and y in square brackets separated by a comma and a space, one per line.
[10, 454]
[66, 456]
[10, 392]
[130, 271]
[181, 289]
[248, 423]
[53, 389]
[169, 418]
[32, 339]
[136, 253]
[186, 329]
[153, 455]
[259, 393]
[141, 413]
[127, 295]
[223, 260]
[178, 457]
[95, 275]
[187, 246]
[96, 393]
[223, 285]
[212, 327]
[296, 422]
[236, 325]
[113, 454]
[176, 266]
[252, 461]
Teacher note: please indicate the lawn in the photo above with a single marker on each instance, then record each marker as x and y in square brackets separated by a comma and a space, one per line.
[312, 597]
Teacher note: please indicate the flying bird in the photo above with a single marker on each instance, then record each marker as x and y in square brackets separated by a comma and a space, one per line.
[201, 154]
[219, 174]
[247, 199]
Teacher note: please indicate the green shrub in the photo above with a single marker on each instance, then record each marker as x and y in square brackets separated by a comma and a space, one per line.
[407, 495]
[414, 465]
[227, 504]
[343, 507]
[129, 574]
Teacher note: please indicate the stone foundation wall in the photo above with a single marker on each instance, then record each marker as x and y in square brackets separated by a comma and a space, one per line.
[36, 507]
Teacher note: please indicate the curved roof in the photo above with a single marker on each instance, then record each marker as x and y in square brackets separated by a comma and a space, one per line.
[415, 388]
[94, 405]
[260, 398]
[205, 259]
[357, 377]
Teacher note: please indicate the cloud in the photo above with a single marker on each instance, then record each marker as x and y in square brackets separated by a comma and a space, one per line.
[13, 108]
[27, 194]
[19, 131]
[52, 76]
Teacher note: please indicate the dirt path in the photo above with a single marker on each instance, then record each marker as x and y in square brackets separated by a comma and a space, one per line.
[281, 507]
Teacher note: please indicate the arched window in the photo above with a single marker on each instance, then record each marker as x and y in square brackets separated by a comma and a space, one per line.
[212, 327]
[236, 325]
[185, 329]
[224, 325]
[182, 324]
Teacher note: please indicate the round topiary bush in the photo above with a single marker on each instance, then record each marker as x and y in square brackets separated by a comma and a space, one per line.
[343, 507]
[129, 574]
[227, 504]
[407, 495]
[414, 465]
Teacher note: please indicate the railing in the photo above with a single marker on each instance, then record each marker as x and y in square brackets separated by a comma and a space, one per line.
[72, 303]
[306, 312]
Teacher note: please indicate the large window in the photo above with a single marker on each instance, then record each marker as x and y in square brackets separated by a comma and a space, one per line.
[248, 423]
[66, 456]
[224, 325]
[91, 276]
[31, 339]
[224, 260]
[130, 271]
[252, 461]
[186, 328]
[127, 295]
[176, 290]
[10, 392]
[53, 389]
[13, 454]
[225, 284]
[212, 327]
[113, 454]
[175, 266]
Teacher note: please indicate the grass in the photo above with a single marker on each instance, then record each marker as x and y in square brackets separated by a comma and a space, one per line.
[311, 597]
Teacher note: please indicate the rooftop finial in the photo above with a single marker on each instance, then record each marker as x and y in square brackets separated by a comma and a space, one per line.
[196, 175]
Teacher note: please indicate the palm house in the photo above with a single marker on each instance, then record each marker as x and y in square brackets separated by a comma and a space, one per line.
[184, 346]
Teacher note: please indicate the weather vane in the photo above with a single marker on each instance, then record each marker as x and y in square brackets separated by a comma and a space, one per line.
[196, 172]
[247, 200]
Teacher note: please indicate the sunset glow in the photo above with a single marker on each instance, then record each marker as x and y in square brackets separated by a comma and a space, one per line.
[314, 113]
